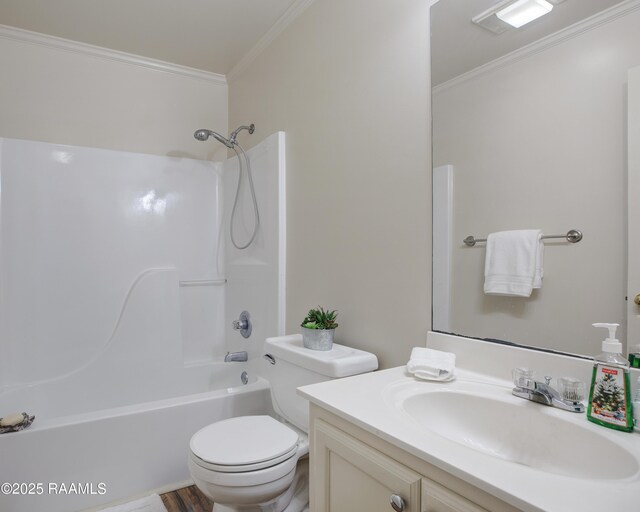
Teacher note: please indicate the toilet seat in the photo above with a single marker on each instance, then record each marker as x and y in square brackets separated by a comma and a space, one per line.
[243, 444]
[263, 476]
[244, 467]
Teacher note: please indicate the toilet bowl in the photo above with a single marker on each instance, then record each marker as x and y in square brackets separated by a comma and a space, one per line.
[259, 463]
[246, 463]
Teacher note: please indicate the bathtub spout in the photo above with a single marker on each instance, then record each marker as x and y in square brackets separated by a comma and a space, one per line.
[235, 356]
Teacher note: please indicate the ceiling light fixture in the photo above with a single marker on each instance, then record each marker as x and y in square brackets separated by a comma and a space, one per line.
[522, 12]
[509, 14]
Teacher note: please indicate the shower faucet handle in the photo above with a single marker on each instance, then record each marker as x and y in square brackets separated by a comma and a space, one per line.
[243, 324]
[239, 324]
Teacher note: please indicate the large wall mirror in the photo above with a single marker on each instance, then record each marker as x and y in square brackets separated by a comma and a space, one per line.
[530, 132]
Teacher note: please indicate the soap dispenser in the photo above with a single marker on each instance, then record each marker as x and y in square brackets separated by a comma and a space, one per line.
[610, 396]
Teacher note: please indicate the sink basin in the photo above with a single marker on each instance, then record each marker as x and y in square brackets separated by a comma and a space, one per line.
[515, 430]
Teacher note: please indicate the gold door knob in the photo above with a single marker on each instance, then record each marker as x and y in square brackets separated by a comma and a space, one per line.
[637, 299]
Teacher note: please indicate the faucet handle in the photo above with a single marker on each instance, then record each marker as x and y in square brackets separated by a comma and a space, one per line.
[243, 324]
[571, 389]
[525, 383]
[523, 377]
[238, 325]
[547, 380]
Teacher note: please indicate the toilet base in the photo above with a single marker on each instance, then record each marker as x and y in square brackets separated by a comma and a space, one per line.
[294, 499]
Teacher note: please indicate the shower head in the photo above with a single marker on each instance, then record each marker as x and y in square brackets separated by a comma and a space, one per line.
[204, 134]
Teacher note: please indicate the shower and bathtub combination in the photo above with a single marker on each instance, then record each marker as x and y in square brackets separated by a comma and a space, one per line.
[119, 282]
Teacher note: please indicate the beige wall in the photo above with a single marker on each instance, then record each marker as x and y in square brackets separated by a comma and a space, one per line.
[348, 82]
[541, 143]
[68, 97]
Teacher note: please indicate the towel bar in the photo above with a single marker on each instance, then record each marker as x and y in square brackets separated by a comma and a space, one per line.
[573, 236]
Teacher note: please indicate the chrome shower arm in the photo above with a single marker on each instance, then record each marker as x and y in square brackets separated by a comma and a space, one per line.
[232, 138]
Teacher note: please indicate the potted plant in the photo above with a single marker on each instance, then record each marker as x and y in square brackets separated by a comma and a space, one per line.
[318, 328]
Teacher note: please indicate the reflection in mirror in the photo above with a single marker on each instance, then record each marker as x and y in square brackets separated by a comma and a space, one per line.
[532, 124]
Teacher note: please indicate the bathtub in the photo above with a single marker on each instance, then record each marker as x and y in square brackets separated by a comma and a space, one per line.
[79, 454]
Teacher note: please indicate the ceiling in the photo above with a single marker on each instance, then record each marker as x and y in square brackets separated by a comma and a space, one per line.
[212, 35]
[458, 46]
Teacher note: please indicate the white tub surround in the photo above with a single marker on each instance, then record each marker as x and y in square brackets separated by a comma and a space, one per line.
[102, 247]
[256, 275]
[83, 232]
[559, 476]
[116, 303]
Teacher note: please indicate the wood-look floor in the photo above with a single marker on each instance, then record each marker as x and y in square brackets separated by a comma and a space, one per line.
[187, 499]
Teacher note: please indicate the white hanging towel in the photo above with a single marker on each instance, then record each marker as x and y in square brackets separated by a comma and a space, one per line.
[513, 262]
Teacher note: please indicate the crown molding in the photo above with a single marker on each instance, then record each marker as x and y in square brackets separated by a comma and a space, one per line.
[595, 21]
[295, 10]
[58, 43]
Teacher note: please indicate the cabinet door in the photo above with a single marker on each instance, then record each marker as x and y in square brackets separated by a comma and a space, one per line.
[349, 476]
[436, 498]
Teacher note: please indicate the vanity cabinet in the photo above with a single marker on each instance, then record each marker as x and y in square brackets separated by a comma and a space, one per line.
[349, 475]
[353, 470]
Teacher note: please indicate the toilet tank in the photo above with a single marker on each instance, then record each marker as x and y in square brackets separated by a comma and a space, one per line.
[297, 366]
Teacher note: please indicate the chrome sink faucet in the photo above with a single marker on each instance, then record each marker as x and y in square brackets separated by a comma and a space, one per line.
[541, 392]
[235, 357]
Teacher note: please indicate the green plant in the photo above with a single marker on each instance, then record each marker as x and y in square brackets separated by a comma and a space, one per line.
[320, 319]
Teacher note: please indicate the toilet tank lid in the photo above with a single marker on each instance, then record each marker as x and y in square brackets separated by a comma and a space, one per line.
[340, 361]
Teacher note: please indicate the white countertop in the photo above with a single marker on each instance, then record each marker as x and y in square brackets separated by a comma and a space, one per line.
[366, 401]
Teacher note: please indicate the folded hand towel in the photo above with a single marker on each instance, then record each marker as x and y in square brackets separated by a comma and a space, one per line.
[513, 262]
[429, 364]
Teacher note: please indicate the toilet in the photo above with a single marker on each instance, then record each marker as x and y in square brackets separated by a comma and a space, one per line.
[258, 463]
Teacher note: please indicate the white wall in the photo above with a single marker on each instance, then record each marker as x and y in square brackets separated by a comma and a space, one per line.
[77, 97]
[540, 143]
[348, 82]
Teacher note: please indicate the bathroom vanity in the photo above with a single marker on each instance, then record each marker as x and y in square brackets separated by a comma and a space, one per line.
[356, 470]
[385, 441]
